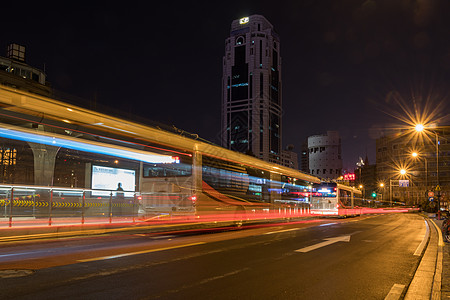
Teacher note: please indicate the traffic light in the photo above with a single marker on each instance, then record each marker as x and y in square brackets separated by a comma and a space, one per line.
[374, 194]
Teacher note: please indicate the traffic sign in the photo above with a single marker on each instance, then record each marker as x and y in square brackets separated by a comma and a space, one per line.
[430, 194]
[403, 183]
[438, 187]
[430, 199]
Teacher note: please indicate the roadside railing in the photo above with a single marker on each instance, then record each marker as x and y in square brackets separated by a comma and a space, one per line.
[34, 205]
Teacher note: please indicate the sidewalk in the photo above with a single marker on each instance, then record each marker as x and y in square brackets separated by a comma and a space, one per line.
[431, 279]
[444, 268]
[445, 288]
[446, 273]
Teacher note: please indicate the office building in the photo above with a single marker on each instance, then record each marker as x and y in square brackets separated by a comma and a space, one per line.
[425, 172]
[251, 98]
[289, 158]
[16, 73]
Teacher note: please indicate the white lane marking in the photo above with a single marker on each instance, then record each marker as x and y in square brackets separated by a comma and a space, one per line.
[285, 230]
[138, 252]
[327, 224]
[15, 254]
[329, 241]
[395, 292]
[421, 246]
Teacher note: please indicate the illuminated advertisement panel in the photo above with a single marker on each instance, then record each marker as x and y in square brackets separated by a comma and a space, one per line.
[107, 178]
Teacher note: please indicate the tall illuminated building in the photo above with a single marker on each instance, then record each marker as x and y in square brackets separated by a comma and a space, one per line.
[251, 93]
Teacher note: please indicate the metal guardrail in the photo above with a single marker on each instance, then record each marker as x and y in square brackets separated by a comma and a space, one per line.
[39, 203]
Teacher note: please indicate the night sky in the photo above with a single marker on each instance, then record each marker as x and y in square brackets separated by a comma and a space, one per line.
[346, 64]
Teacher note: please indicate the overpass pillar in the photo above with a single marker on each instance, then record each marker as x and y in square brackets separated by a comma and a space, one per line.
[44, 163]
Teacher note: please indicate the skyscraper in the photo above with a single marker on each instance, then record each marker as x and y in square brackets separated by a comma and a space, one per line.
[251, 93]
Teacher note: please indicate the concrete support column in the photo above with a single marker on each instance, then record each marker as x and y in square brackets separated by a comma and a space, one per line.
[44, 163]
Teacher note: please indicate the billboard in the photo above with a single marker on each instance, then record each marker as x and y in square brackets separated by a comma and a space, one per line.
[107, 178]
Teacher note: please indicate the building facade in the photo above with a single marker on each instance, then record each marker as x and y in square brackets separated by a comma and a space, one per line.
[325, 158]
[304, 158]
[289, 158]
[251, 89]
[366, 180]
[428, 171]
[15, 73]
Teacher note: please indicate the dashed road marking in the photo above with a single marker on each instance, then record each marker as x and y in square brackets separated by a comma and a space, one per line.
[284, 230]
[138, 252]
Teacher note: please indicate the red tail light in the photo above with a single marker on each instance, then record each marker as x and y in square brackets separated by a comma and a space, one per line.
[193, 198]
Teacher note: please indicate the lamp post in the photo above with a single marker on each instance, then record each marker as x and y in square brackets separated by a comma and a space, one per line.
[416, 155]
[402, 173]
[419, 128]
[382, 191]
[390, 192]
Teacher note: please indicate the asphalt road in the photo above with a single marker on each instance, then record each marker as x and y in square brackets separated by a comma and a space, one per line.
[356, 258]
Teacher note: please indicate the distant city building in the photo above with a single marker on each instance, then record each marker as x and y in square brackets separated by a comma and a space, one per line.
[289, 158]
[325, 159]
[394, 152]
[15, 73]
[251, 93]
[304, 157]
[366, 176]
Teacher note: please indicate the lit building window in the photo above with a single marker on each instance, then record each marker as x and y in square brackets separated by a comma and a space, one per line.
[8, 156]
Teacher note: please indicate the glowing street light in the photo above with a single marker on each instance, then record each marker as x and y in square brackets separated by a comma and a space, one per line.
[402, 172]
[419, 127]
[382, 190]
[417, 155]
[361, 187]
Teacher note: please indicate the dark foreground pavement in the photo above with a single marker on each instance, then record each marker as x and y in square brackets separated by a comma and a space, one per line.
[431, 279]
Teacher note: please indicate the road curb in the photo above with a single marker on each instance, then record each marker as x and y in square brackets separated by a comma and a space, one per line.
[426, 283]
[437, 284]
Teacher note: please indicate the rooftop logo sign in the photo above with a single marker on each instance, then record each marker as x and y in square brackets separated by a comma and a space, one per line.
[244, 20]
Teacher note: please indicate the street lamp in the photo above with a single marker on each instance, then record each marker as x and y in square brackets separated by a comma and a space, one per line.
[382, 191]
[361, 187]
[416, 155]
[401, 172]
[419, 128]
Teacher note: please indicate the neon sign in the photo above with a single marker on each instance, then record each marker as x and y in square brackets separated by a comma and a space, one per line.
[350, 176]
[244, 20]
